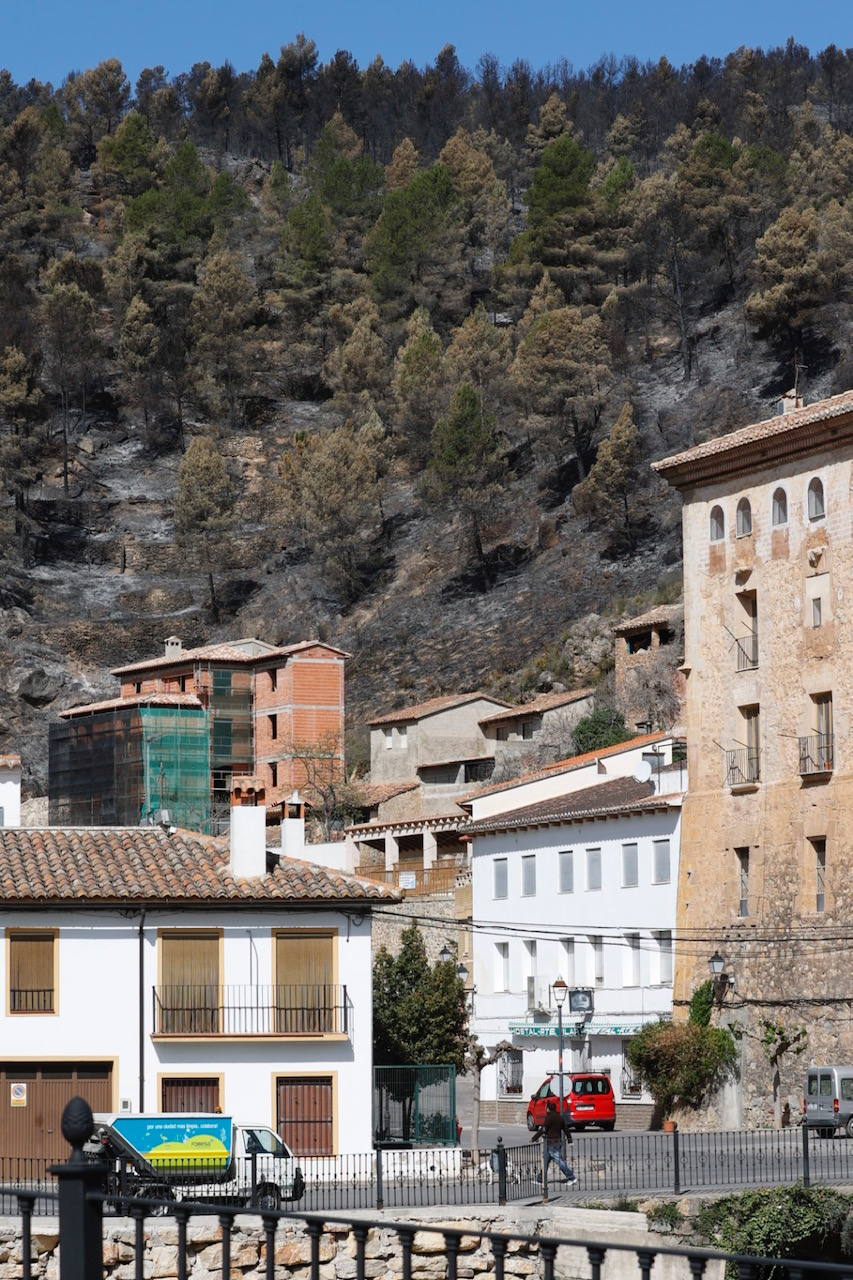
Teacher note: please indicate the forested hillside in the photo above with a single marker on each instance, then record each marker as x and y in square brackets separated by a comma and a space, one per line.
[383, 354]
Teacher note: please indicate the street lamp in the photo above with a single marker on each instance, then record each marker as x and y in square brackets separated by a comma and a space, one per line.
[560, 991]
[445, 955]
[462, 972]
[722, 981]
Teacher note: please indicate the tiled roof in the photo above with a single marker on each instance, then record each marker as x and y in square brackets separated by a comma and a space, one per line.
[420, 709]
[371, 793]
[145, 864]
[654, 617]
[10, 761]
[224, 653]
[618, 795]
[781, 424]
[567, 766]
[135, 700]
[545, 702]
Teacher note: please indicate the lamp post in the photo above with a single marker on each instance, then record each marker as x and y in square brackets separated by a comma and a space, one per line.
[722, 981]
[560, 990]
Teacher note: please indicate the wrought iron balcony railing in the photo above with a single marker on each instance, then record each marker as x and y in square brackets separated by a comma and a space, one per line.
[209, 1010]
[30, 1000]
[743, 766]
[817, 754]
[747, 652]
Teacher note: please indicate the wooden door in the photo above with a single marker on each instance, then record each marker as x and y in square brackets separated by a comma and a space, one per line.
[305, 1114]
[41, 1089]
[306, 1000]
[190, 995]
[178, 1093]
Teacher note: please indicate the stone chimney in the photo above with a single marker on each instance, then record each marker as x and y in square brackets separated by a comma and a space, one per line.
[173, 647]
[293, 827]
[791, 400]
[248, 828]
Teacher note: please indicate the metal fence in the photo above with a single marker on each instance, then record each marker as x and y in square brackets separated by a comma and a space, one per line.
[415, 1104]
[82, 1194]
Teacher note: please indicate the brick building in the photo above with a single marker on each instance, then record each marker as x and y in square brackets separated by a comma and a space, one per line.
[766, 841]
[184, 724]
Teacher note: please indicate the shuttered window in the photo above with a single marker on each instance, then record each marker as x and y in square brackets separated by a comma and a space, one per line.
[190, 994]
[31, 973]
[180, 1093]
[306, 997]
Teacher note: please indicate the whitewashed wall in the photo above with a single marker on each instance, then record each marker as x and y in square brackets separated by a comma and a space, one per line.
[10, 795]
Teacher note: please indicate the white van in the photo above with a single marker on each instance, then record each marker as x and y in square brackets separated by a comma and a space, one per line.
[828, 1101]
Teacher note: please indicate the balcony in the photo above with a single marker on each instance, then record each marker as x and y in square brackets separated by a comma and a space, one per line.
[205, 1012]
[747, 652]
[743, 767]
[817, 754]
[31, 1000]
[415, 881]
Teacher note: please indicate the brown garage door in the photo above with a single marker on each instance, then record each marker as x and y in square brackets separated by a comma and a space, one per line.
[32, 1098]
[305, 1114]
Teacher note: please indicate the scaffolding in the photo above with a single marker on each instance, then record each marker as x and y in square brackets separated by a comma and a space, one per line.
[232, 748]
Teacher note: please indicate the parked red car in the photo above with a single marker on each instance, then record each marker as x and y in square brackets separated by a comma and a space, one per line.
[588, 1100]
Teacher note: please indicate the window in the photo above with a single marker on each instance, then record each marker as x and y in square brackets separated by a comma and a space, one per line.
[530, 959]
[402, 738]
[527, 728]
[819, 849]
[502, 733]
[306, 1001]
[273, 775]
[597, 943]
[567, 958]
[660, 862]
[510, 1072]
[742, 856]
[566, 865]
[747, 624]
[780, 507]
[817, 612]
[640, 642]
[182, 1093]
[718, 524]
[823, 715]
[500, 877]
[629, 866]
[528, 875]
[273, 675]
[189, 999]
[183, 683]
[478, 770]
[593, 868]
[817, 510]
[743, 522]
[501, 966]
[31, 972]
[664, 944]
[137, 686]
[388, 735]
[632, 960]
[273, 727]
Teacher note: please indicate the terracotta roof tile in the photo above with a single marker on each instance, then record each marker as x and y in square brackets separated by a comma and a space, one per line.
[618, 795]
[654, 617]
[419, 709]
[224, 653]
[135, 700]
[121, 864]
[545, 702]
[567, 766]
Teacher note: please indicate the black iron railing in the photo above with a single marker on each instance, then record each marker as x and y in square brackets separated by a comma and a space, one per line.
[743, 766]
[30, 1000]
[276, 1010]
[747, 652]
[817, 753]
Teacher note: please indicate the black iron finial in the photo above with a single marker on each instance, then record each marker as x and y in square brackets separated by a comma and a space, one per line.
[78, 1124]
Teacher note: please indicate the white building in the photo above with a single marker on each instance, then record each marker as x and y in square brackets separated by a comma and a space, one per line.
[10, 790]
[579, 885]
[154, 970]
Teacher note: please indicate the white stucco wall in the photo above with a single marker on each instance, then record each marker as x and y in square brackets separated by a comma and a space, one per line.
[10, 795]
[549, 916]
[98, 1010]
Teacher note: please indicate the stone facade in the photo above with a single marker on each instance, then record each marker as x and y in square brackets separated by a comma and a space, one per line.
[766, 841]
[648, 684]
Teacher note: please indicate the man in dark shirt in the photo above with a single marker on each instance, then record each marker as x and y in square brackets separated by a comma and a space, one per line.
[553, 1129]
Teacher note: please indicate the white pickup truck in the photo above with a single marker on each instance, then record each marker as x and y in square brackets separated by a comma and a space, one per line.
[197, 1157]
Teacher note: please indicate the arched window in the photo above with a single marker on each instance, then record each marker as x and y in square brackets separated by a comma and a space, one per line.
[817, 510]
[780, 507]
[744, 518]
[718, 524]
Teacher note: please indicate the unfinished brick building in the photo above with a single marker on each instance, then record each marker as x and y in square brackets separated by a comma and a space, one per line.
[185, 724]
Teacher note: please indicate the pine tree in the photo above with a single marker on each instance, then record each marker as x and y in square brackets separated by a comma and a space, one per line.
[479, 354]
[403, 165]
[20, 445]
[418, 383]
[138, 354]
[69, 330]
[204, 510]
[220, 315]
[608, 495]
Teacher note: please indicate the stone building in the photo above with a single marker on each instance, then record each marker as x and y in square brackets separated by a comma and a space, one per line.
[766, 838]
[648, 683]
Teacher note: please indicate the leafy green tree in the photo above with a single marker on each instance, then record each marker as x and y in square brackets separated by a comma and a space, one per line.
[419, 1014]
[204, 510]
[128, 158]
[178, 210]
[681, 1063]
[603, 727]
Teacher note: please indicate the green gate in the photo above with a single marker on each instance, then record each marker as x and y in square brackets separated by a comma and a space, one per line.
[414, 1106]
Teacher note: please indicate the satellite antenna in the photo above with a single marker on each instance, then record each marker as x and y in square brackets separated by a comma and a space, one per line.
[643, 771]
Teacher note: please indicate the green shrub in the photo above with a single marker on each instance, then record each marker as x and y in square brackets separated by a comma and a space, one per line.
[781, 1222]
[701, 1004]
[680, 1062]
[665, 1216]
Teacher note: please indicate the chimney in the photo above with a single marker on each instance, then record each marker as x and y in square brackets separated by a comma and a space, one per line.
[791, 400]
[293, 827]
[248, 828]
[172, 647]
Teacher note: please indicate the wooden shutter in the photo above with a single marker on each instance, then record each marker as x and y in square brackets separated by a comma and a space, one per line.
[31, 973]
[305, 993]
[179, 1093]
[190, 995]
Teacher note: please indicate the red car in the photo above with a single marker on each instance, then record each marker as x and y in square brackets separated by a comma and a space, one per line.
[588, 1100]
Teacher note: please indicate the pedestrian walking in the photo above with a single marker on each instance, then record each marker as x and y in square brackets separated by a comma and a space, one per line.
[553, 1130]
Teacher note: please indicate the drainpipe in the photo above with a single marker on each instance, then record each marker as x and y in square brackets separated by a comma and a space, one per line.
[141, 937]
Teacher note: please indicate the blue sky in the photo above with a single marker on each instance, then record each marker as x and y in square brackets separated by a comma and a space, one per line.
[47, 38]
